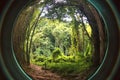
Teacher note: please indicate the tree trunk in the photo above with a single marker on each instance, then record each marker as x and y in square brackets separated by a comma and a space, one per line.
[19, 35]
[95, 33]
[101, 33]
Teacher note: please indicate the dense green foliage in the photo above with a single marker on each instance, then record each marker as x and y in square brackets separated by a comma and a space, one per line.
[62, 46]
[59, 39]
[64, 65]
[52, 47]
[55, 34]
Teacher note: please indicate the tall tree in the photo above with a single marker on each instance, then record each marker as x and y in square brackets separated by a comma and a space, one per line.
[19, 34]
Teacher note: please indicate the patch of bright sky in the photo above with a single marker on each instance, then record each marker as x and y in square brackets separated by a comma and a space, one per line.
[66, 16]
[60, 1]
[41, 1]
[44, 12]
[85, 20]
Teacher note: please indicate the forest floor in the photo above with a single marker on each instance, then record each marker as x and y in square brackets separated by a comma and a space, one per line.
[38, 73]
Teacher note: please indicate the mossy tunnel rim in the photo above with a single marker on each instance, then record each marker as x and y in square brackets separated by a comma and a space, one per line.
[12, 67]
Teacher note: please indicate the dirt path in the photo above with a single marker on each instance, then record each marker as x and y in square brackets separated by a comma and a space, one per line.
[37, 73]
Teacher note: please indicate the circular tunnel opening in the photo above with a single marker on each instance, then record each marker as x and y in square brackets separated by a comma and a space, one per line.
[59, 39]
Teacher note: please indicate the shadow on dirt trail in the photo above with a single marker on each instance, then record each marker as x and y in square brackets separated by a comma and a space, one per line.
[37, 73]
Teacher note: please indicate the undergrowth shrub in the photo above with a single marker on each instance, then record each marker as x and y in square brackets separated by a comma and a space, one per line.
[40, 59]
[56, 53]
